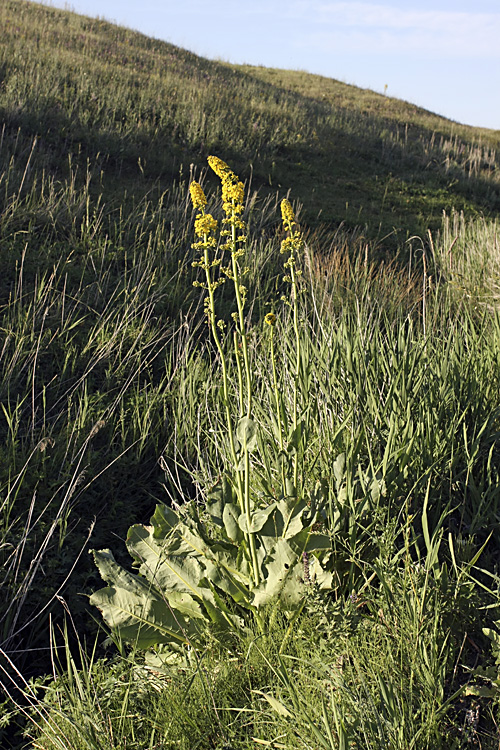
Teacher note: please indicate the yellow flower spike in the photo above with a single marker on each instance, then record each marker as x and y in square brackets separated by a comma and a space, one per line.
[233, 190]
[197, 195]
[236, 191]
[287, 212]
[219, 167]
[294, 242]
[270, 319]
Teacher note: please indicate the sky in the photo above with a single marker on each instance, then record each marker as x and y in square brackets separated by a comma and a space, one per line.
[443, 55]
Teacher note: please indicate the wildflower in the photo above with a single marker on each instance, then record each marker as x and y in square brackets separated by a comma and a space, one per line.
[220, 168]
[287, 213]
[204, 224]
[294, 241]
[270, 319]
[233, 191]
[197, 195]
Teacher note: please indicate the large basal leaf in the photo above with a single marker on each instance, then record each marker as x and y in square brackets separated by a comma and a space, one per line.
[167, 572]
[308, 541]
[224, 574]
[175, 573]
[295, 517]
[134, 610]
[234, 561]
[283, 579]
[317, 575]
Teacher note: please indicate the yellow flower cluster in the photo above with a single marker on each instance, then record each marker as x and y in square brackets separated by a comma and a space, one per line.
[204, 224]
[287, 213]
[294, 241]
[233, 193]
[220, 167]
[270, 319]
[197, 195]
[233, 189]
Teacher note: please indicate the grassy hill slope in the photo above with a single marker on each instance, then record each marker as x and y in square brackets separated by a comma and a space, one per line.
[138, 109]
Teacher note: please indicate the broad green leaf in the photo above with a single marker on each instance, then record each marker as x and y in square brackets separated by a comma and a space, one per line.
[224, 575]
[246, 434]
[167, 572]
[292, 513]
[192, 539]
[218, 497]
[481, 691]
[342, 496]
[339, 468]
[164, 519]
[318, 575]
[134, 609]
[378, 489]
[215, 508]
[283, 579]
[113, 573]
[184, 603]
[308, 541]
[230, 517]
[142, 620]
[257, 519]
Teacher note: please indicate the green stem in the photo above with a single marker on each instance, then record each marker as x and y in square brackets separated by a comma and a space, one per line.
[241, 491]
[242, 331]
[297, 365]
[248, 378]
[253, 548]
[218, 344]
[239, 370]
[279, 411]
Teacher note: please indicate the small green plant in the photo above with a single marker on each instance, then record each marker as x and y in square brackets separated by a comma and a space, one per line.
[248, 552]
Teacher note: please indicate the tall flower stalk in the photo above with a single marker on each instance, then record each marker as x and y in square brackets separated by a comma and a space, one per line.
[292, 245]
[250, 552]
[232, 234]
[205, 227]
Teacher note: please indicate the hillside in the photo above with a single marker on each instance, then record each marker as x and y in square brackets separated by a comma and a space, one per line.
[137, 110]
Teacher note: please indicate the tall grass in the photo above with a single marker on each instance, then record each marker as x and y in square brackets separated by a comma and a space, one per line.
[466, 255]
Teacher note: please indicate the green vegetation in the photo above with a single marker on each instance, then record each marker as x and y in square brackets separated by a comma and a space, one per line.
[319, 568]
